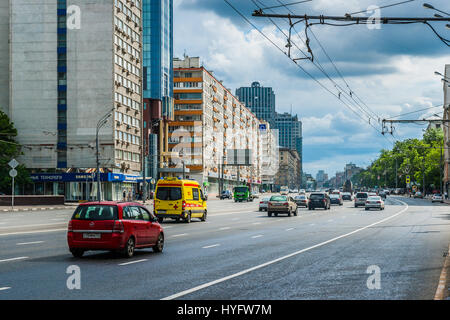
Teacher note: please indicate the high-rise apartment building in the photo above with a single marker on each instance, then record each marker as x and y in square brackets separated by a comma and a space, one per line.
[260, 100]
[209, 121]
[157, 80]
[65, 65]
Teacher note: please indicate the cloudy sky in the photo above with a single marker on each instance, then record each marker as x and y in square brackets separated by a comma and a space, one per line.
[389, 70]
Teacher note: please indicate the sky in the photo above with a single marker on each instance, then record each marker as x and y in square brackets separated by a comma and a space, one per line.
[389, 71]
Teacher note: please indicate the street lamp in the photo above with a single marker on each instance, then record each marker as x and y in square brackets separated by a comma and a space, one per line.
[429, 6]
[180, 154]
[100, 124]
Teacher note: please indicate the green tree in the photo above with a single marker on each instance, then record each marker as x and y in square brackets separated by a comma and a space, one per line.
[9, 149]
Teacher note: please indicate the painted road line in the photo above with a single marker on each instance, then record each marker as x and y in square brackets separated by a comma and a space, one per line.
[13, 259]
[25, 243]
[258, 236]
[34, 225]
[225, 228]
[256, 223]
[211, 246]
[289, 229]
[235, 219]
[179, 235]
[232, 276]
[5, 288]
[31, 232]
[132, 262]
[312, 224]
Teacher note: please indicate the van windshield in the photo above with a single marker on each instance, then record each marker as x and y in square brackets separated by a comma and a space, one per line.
[168, 193]
[95, 212]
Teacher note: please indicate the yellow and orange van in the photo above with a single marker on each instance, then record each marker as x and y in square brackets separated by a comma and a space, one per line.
[179, 199]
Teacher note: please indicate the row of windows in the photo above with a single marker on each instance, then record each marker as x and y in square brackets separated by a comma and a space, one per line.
[128, 156]
[188, 107]
[127, 65]
[127, 101]
[127, 11]
[124, 27]
[188, 84]
[127, 83]
[128, 48]
[127, 137]
[126, 119]
[195, 117]
[188, 96]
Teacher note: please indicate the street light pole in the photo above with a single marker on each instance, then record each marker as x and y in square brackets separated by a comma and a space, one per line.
[100, 124]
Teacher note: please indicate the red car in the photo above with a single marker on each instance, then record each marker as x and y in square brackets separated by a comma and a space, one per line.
[115, 226]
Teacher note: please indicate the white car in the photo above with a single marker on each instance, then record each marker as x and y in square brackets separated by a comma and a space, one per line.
[264, 203]
[374, 202]
[437, 198]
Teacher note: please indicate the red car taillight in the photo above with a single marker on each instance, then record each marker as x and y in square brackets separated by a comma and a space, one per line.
[286, 203]
[118, 227]
[70, 228]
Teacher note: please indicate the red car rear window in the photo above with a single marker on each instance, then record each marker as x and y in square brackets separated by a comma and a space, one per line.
[96, 212]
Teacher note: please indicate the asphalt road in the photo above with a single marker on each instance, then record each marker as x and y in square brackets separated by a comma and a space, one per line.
[240, 253]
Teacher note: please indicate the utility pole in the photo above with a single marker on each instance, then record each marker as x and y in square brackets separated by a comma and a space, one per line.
[423, 175]
[396, 173]
[100, 124]
[144, 167]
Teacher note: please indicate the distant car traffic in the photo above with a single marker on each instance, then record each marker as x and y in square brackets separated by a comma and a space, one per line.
[284, 190]
[301, 200]
[115, 226]
[263, 204]
[319, 200]
[374, 202]
[281, 204]
[360, 199]
[437, 198]
[255, 195]
[226, 194]
[418, 195]
[336, 198]
[346, 196]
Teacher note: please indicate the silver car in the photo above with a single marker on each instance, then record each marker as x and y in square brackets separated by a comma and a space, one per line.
[264, 203]
[374, 202]
[360, 199]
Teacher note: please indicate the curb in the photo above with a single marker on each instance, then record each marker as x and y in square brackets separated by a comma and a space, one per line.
[442, 292]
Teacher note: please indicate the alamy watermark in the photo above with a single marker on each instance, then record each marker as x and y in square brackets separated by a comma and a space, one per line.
[374, 280]
[74, 280]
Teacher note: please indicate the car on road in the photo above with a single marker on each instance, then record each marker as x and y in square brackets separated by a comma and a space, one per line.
[226, 194]
[264, 203]
[336, 198]
[242, 193]
[255, 195]
[319, 200]
[179, 199]
[346, 196]
[281, 204]
[374, 202]
[302, 191]
[360, 199]
[301, 200]
[437, 198]
[284, 190]
[418, 195]
[115, 226]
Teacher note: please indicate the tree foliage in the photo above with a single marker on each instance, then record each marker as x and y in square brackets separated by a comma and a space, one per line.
[413, 157]
[9, 149]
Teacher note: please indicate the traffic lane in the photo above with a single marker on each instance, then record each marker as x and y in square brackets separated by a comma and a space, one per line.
[103, 259]
[408, 249]
[173, 230]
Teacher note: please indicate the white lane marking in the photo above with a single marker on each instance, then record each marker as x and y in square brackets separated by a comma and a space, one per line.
[211, 246]
[209, 284]
[255, 223]
[59, 219]
[258, 236]
[4, 288]
[331, 220]
[235, 219]
[13, 259]
[34, 225]
[28, 232]
[167, 227]
[225, 228]
[179, 235]
[131, 262]
[2, 222]
[289, 229]
[25, 243]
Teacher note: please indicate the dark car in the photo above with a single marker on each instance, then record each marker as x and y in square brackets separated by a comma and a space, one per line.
[347, 196]
[336, 198]
[226, 194]
[319, 200]
[301, 200]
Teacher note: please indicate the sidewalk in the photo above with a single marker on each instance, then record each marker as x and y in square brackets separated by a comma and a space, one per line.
[38, 208]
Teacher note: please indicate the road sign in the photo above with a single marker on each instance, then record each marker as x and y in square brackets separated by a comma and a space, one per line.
[13, 173]
[13, 163]
[408, 179]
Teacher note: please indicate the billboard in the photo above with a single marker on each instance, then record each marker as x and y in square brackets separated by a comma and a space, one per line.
[239, 157]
